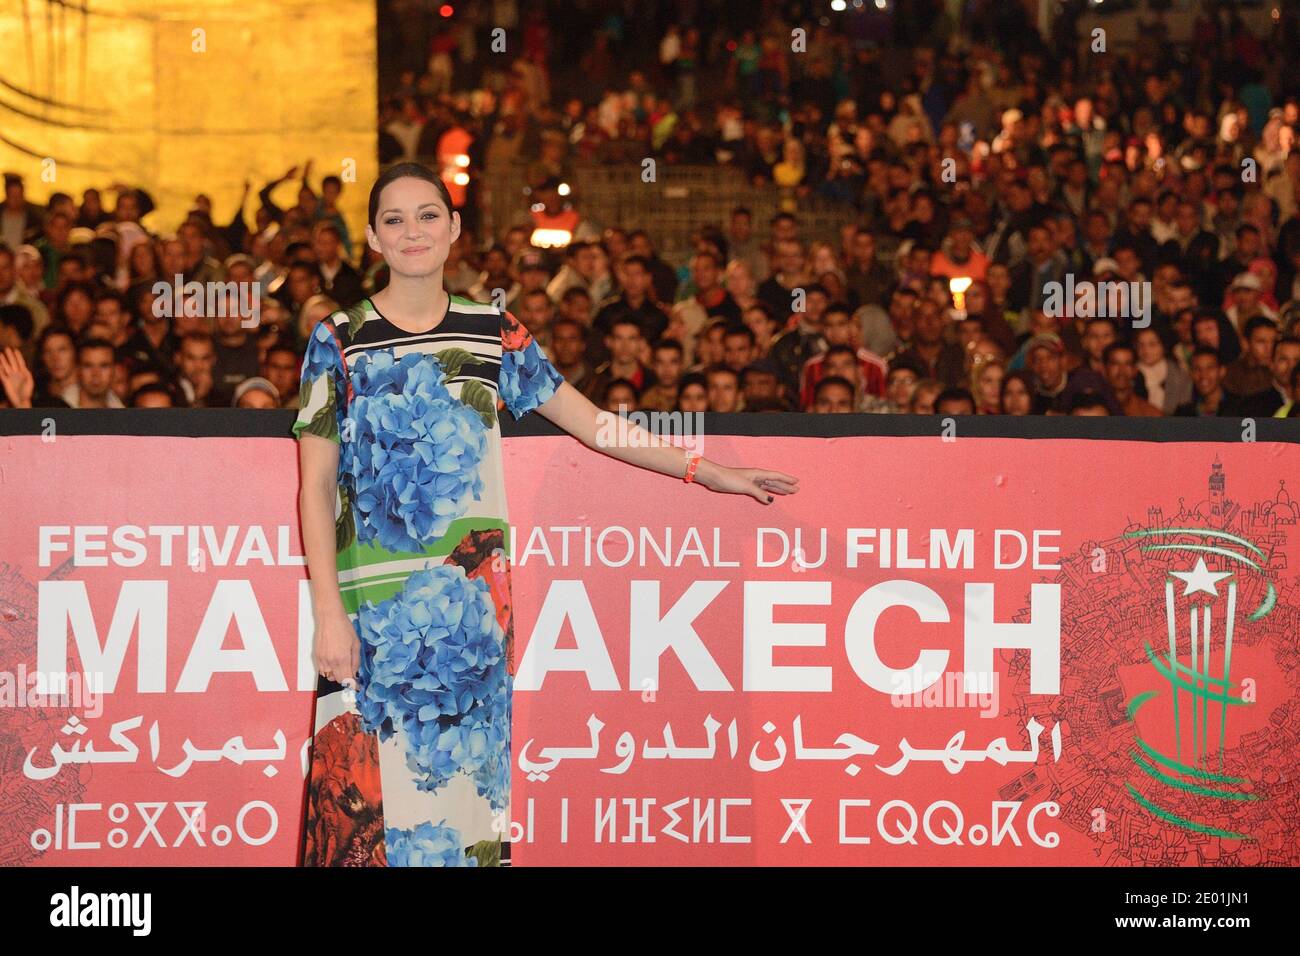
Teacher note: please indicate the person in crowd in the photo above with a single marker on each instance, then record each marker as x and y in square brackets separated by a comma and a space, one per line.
[1025, 176]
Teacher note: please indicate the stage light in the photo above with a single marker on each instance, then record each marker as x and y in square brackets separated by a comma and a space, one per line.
[563, 189]
[446, 10]
[461, 160]
[461, 179]
[958, 286]
[550, 238]
[839, 6]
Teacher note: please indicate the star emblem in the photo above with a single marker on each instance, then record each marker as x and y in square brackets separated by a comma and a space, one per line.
[1201, 578]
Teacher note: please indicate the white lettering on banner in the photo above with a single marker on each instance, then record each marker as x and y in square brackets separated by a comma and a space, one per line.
[141, 606]
[860, 636]
[955, 551]
[1041, 635]
[232, 601]
[652, 635]
[762, 635]
[566, 601]
[708, 820]
[133, 545]
[64, 613]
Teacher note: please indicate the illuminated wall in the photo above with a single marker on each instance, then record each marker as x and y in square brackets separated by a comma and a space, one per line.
[187, 97]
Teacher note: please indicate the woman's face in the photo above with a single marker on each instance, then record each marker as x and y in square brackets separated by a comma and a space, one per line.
[1016, 399]
[77, 310]
[990, 381]
[999, 280]
[414, 229]
[977, 299]
[824, 259]
[1149, 349]
[757, 321]
[693, 398]
[59, 356]
[709, 348]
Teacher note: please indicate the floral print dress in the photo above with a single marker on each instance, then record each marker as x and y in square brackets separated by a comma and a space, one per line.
[413, 767]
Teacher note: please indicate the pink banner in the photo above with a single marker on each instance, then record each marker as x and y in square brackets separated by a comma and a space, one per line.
[731, 705]
[980, 651]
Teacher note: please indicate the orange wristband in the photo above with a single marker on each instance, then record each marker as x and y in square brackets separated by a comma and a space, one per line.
[692, 462]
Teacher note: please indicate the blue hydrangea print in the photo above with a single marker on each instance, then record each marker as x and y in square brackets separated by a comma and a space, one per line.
[413, 461]
[426, 845]
[527, 378]
[433, 663]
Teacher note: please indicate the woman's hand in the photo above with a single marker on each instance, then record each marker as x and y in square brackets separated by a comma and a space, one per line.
[758, 483]
[336, 649]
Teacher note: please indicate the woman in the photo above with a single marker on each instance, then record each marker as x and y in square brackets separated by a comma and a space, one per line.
[1018, 395]
[143, 267]
[739, 282]
[1168, 386]
[75, 306]
[986, 385]
[400, 439]
[56, 360]
[693, 393]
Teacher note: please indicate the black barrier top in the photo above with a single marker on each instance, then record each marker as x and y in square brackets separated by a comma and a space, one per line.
[260, 423]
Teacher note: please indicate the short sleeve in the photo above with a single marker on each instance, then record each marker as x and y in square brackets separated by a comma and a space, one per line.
[320, 395]
[528, 378]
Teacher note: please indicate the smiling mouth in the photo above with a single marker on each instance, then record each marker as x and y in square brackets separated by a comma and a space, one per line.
[415, 249]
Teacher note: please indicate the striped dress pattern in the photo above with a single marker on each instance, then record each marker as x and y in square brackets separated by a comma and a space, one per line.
[412, 768]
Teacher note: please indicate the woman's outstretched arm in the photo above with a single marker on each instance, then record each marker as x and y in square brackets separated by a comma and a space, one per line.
[574, 412]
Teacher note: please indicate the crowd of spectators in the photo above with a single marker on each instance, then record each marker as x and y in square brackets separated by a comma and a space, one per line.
[1157, 185]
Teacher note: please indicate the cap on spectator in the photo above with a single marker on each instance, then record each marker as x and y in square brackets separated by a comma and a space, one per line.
[27, 251]
[239, 257]
[1012, 116]
[80, 235]
[1045, 340]
[1247, 280]
[248, 384]
[1105, 264]
[530, 259]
